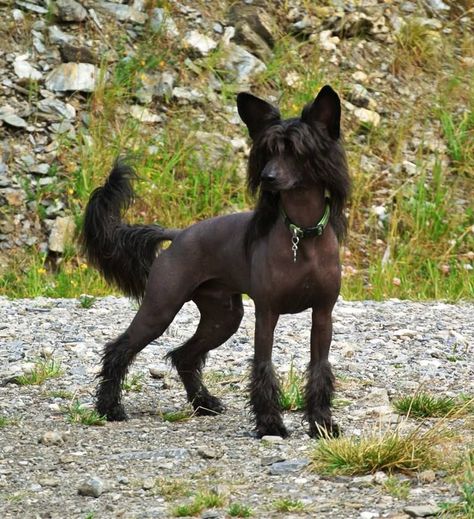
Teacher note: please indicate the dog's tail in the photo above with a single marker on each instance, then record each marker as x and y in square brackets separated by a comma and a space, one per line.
[122, 253]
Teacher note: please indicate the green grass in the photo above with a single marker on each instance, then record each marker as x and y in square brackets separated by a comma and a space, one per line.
[202, 501]
[43, 369]
[292, 391]
[86, 301]
[464, 508]
[4, 421]
[389, 451]
[288, 505]
[239, 510]
[76, 413]
[133, 382]
[177, 416]
[425, 405]
[396, 487]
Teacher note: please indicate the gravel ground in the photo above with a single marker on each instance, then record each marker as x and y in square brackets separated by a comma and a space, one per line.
[147, 466]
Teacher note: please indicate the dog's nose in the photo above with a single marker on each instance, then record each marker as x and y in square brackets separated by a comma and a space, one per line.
[268, 175]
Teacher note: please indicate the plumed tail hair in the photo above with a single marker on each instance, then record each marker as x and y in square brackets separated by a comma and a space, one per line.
[123, 253]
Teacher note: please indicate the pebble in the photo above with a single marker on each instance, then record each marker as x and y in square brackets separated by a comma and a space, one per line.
[288, 466]
[93, 487]
[422, 510]
[70, 11]
[52, 438]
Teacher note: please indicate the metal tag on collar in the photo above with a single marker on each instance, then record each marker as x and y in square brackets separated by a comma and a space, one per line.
[295, 239]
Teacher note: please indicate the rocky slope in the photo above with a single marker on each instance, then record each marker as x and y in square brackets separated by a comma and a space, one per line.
[55, 55]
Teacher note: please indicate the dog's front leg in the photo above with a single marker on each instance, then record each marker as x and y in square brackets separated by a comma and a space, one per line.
[264, 388]
[320, 383]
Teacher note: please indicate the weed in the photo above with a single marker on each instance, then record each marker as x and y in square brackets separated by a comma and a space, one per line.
[291, 391]
[424, 405]
[201, 501]
[465, 507]
[78, 414]
[177, 416]
[42, 370]
[59, 393]
[172, 488]
[4, 421]
[86, 301]
[133, 382]
[239, 510]
[389, 451]
[288, 505]
[397, 487]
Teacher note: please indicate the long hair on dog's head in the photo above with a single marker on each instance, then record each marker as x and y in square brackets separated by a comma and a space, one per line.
[313, 144]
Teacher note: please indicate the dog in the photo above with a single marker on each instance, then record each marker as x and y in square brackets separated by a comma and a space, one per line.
[284, 254]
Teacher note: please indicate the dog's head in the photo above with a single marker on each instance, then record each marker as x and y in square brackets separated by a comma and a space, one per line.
[289, 153]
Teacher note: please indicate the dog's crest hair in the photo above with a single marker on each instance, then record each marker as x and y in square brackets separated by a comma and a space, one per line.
[317, 148]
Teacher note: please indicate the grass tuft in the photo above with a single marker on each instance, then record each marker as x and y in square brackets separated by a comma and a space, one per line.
[390, 451]
[201, 501]
[292, 391]
[133, 383]
[239, 510]
[177, 416]
[43, 370]
[425, 405]
[288, 505]
[78, 414]
[397, 487]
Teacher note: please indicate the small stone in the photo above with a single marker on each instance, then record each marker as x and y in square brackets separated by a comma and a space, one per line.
[13, 120]
[272, 439]
[70, 11]
[187, 95]
[24, 70]
[56, 35]
[242, 63]
[380, 477]
[70, 53]
[427, 476]
[200, 43]
[148, 483]
[81, 77]
[93, 487]
[57, 109]
[52, 438]
[157, 372]
[124, 13]
[49, 482]
[363, 481]
[367, 117]
[144, 115]
[62, 233]
[422, 510]
[286, 467]
[160, 20]
[208, 453]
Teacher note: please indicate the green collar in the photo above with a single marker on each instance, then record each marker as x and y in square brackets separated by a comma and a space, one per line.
[306, 232]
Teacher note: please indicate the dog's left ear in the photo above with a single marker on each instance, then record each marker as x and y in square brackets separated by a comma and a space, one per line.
[326, 109]
[256, 113]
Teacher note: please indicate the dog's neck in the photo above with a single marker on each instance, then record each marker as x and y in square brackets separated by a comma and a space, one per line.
[304, 206]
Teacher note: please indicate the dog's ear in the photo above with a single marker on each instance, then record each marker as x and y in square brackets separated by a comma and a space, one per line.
[256, 113]
[326, 109]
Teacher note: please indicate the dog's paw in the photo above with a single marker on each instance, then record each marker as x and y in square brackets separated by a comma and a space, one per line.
[208, 405]
[113, 414]
[325, 430]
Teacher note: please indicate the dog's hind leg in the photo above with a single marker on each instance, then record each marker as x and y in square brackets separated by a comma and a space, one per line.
[320, 383]
[220, 318]
[264, 387]
[152, 319]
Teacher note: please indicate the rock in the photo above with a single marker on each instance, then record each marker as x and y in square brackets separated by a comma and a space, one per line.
[56, 109]
[25, 70]
[187, 95]
[70, 11]
[30, 6]
[208, 453]
[56, 35]
[8, 116]
[81, 77]
[242, 64]
[200, 43]
[367, 117]
[157, 372]
[39, 169]
[70, 53]
[148, 483]
[62, 233]
[144, 115]
[327, 41]
[124, 13]
[160, 20]
[52, 438]
[437, 5]
[422, 510]
[287, 467]
[93, 487]
[380, 477]
[272, 439]
[356, 24]
[427, 476]
[359, 96]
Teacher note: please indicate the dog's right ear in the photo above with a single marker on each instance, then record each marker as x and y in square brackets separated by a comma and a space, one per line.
[256, 113]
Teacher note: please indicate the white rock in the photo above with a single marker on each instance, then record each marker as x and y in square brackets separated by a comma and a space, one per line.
[199, 42]
[368, 117]
[61, 233]
[24, 70]
[243, 64]
[124, 13]
[73, 76]
[327, 41]
[144, 115]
